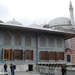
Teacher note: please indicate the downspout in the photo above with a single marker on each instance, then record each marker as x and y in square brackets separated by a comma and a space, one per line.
[36, 51]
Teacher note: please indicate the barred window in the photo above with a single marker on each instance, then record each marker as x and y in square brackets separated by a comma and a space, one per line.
[18, 54]
[52, 55]
[68, 58]
[18, 39]
[27, 40]
[7, 38]
[44, 55]
[42, 41]
[60, 55]
[59, 42]
[28, 54]
[7, 54]
[51, 42]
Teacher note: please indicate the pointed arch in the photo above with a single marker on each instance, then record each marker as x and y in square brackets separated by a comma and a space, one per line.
[28, 40]
[18, 39]
[43, 41]
[7, 38]
[51, 41]
[59, 42]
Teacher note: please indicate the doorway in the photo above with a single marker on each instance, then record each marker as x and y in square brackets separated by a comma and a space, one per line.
[30, 67]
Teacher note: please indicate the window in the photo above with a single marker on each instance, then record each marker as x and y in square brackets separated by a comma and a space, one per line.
[60, 55]
[68, 58]
[27, 40]
[42, 41]
[7, 54]
[52, 55]
[18, 39]
[44, 55]
[7, 38]
[18, 54]
[59, 42]
[51, 42]
[28, 54]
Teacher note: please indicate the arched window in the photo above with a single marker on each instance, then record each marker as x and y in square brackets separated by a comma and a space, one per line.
[18, 39]
[28, 40]
[42, 41]
[59, 42]
[7, 38]
[51, 42]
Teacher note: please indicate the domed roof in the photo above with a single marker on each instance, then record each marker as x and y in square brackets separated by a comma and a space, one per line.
[1, 21]
[60, 21]
[13, 22]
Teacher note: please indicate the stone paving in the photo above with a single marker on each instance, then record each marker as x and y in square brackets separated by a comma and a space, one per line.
[22, 73]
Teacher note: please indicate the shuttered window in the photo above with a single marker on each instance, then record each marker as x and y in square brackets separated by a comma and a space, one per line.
[60, 55]
[7, 38]
[28, 54]
[42, 41]
[7, 54]
[18, 40]
[52, 55]
[18, 54]
[28, 40]
[44, 55]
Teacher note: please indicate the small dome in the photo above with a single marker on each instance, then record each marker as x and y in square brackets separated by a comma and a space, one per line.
[60, 21]
[13, 22]
[1, 21]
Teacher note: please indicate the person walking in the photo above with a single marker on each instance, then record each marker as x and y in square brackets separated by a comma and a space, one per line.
[63, 69]
[5, 69]
[12, 69]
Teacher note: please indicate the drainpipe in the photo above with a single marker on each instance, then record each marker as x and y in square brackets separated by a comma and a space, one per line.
[36, 51]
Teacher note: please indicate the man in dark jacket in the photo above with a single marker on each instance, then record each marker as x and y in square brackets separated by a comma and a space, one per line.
[12, 67]
[63, 69]
[5, 67]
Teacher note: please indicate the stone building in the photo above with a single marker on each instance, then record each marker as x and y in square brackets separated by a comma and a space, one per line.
[30, 46]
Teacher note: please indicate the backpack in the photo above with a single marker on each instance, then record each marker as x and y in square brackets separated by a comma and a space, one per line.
[14, 66]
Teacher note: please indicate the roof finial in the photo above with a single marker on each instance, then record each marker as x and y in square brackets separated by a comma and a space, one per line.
[34, 22]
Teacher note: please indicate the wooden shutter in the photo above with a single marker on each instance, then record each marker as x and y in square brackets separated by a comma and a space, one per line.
[62, 55]
[21, 54]
[10, 54]
[2, 54]
[31, 52]
[47, 55]
[54, 55]
[40, 55]
[58, 55]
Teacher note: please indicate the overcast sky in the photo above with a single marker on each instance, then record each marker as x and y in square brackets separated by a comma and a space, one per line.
[28, 11]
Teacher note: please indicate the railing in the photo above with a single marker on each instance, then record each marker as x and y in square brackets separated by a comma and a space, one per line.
[46, 70]
[55, 71]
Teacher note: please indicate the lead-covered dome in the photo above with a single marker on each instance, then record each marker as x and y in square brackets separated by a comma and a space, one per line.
[60, 21]
[14, 22]
[1, 21]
